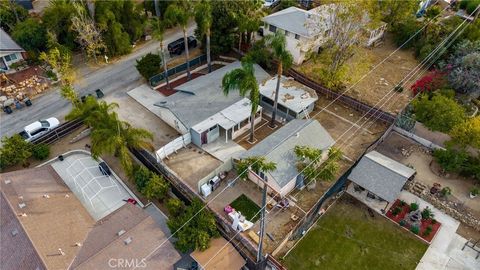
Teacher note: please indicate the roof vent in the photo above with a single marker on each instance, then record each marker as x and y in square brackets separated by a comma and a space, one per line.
[120, 232]
[61, 252]
[128, 240]
[14, 232]
[22, 205]
[8, 181]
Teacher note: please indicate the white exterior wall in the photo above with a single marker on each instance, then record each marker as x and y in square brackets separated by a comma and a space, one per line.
[8, 63]
[168, 117]
[246, 127]
[299, 48]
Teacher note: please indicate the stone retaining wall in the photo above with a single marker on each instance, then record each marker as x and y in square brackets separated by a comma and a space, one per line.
[453, 209]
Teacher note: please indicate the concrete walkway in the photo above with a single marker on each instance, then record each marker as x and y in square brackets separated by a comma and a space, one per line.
[445, 251]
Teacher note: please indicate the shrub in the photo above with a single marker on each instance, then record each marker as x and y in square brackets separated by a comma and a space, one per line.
[398, 88]
[427, 213]
[396, 211]
[402, 203]
[156, 187]
[41, 151]
[428, 231]
[446, 191]
[149, 65]
[175, 207]
[51, 75]
[14, 150]
[439, 113]
[141, 176]
[434, 221]
[402, 223]
[413, 207]
[467, 133]
[474, 191]
[451, 160]
[415, 229]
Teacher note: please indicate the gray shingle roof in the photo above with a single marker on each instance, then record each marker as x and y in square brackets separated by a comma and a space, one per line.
[7, 44]
[299, 21]
[381, 175]
[278, 147]
[203, 97]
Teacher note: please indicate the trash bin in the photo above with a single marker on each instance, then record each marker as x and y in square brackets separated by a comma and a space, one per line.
[104, 168]
[99, 93]
[28, 102]
[7, 109]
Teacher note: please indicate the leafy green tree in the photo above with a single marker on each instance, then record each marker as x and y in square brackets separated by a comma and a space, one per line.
[464, 66]
[439, 113]
[57, 18]
[194, 227]
[451, 160]
[467, 133]
[243, 80]
[108, 15]
[329, 169]
[280, 53]
[395, 12]
[10, 14]
[60, 59]
[149, 65]
[158, 29]
[308, 160]
[30, 35]
[14, 150]
[156, 188]
[224, 26]
[404, 30]
[203, 18]
[132, 19]
[179, 13]
[257, 164]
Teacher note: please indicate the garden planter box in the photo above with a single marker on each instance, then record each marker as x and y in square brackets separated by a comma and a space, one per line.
[405, 209]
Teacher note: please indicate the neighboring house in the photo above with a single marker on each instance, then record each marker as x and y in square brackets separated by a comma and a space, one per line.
[201, 109]
[45, 226]
[306, 31]
[278, 148]
[378, 180]
[10, 51]
[295, 100]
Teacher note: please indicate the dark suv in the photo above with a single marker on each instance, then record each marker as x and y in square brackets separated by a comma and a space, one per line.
[178, 46]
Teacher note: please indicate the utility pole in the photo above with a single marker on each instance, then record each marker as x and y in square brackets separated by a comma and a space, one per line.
[157, 8]
[262, 219]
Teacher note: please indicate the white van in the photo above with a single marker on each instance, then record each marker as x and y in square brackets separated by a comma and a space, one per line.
[38, 128]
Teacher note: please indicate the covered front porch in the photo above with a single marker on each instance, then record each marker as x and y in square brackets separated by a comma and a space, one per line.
[227, 124]
[368, 198]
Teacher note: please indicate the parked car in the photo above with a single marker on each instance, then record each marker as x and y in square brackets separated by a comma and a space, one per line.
[178, 46]
[271, 3]
[38, 128]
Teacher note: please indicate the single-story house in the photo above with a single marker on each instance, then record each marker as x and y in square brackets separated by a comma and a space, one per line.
[201, 109]
[10, 52]
[378, 179]
[278, 148]
[295, 100]
[306, 31]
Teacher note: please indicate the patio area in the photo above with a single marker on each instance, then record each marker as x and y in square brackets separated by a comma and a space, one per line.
[262, 131]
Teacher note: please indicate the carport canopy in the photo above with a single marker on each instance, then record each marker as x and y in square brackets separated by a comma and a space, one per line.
[381, 175]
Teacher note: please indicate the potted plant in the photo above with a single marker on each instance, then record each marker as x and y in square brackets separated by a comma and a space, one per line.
[474, 191]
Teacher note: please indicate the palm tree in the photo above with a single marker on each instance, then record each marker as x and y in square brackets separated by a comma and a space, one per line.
[112, 136]
[277, 43]
[203, 17]
[243, 79]
[158, 33]
[91, 111]
[178, 14]
[256, 164]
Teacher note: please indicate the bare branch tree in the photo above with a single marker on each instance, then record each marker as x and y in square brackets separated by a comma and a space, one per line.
[89, 35]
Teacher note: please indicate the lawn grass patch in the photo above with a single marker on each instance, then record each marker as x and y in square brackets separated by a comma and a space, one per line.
[247, 207]
[348, 238]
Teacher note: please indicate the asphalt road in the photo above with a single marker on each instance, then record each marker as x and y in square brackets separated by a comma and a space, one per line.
[114, 79]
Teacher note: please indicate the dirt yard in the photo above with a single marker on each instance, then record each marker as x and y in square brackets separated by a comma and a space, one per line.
[262, 131]
[378, 82]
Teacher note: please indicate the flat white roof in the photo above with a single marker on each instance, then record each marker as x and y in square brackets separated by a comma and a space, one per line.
[293, 95]
[228, 117]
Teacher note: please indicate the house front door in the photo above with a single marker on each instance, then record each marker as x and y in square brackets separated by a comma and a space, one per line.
[204, 137]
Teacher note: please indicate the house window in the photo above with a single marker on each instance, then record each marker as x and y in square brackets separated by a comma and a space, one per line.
[10, 57]
[281, 108]
[297, 36]
[272, 28]
[267, 100]
[286, 33]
